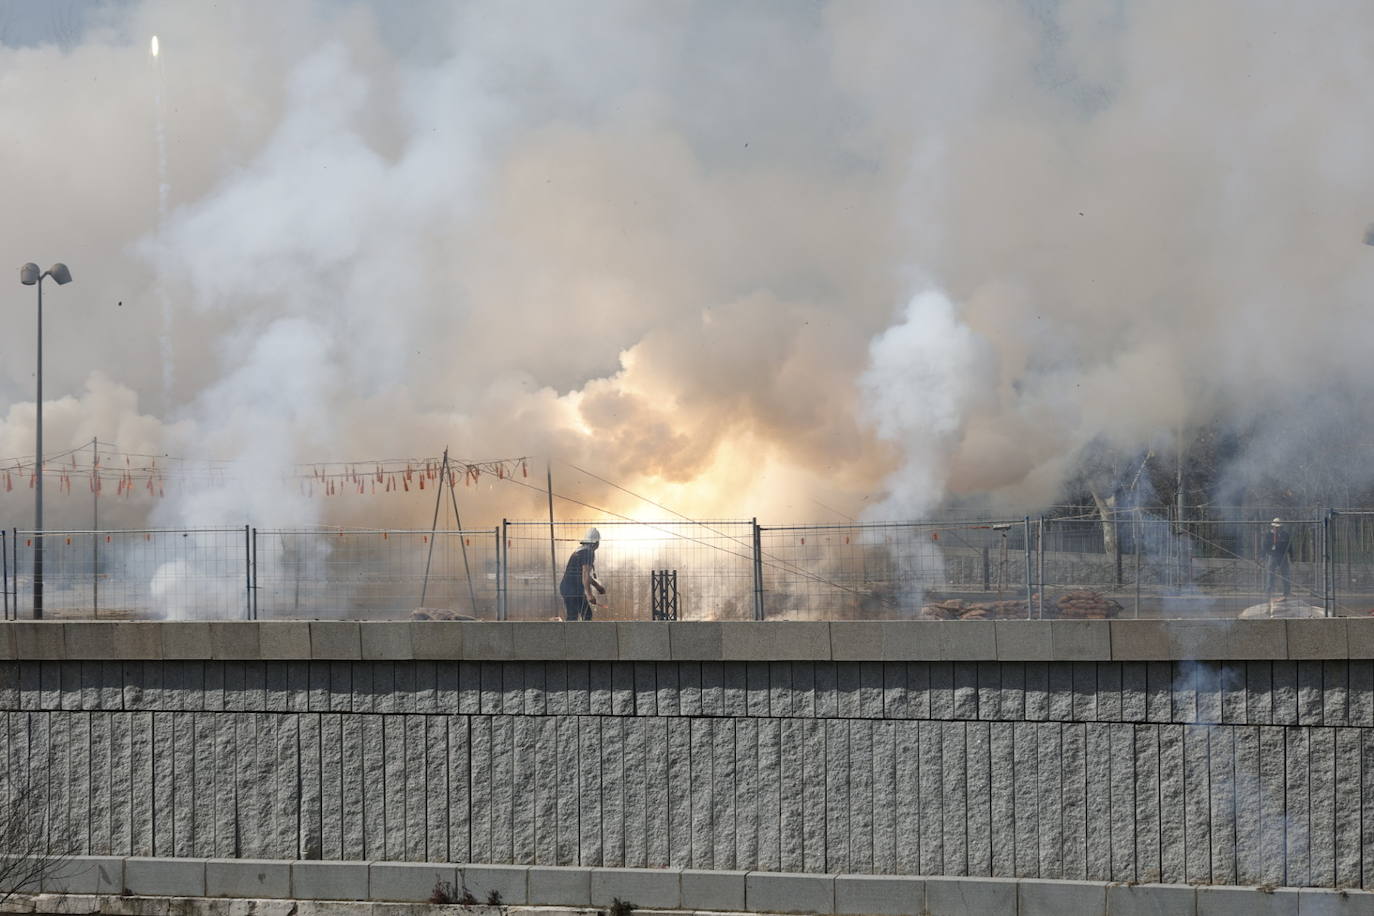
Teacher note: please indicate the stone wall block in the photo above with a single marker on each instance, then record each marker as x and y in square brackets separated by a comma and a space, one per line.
[612, 765]
[524, 793]
[772, 781]
[1347, 815]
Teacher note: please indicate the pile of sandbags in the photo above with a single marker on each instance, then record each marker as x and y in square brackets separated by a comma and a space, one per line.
[959, 609]
[1084, 604]
[438, 613]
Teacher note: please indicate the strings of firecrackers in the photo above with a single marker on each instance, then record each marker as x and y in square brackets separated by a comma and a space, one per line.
[128, 477]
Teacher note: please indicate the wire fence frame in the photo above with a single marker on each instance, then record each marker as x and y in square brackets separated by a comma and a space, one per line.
[740, 569]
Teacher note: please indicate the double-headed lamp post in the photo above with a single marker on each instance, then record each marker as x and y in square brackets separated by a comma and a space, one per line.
[29, 275]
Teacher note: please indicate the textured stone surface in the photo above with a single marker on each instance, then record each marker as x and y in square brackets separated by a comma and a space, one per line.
[1126, 771]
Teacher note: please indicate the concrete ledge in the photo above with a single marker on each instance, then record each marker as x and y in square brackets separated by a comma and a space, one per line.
[880, 895]
[86, 875]
[591, 640]
[279, 887]
[385, 642]
[560, 885]
[39, 640]
[1151, 900]
[238, 641]
[436, 640]
[165, 877]
[1055, 898]
[185, 639]
[971, 896]
[758, 640]
[856, 640]
[1024, 640]
[247, 878]
[1319, 638]
[1080, 640]
[889, 640]
[643, 641]
[784, 892]
[1316, 901]
[1176, 640]
[335, 640]
[1246, 901]
[284, 639]
[539, 641]
[511, 882]
[488, 641]
[646, 888]
[329, 880]
[713, 890]
[409, 881]
[695, 640]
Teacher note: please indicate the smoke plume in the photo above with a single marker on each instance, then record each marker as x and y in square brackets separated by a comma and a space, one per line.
[774, 259]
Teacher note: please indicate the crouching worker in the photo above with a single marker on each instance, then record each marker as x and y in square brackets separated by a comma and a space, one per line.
[580, 587]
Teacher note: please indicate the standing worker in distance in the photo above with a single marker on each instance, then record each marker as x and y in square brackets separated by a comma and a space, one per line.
[1276, 562]
[580, 587]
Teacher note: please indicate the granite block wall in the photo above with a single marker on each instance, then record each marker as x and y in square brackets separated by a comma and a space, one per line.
[1250, 772]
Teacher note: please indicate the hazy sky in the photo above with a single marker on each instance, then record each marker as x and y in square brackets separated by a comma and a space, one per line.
[751, 258]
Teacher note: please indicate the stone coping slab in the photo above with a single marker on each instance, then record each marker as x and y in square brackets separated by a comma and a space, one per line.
[886, 640]
[261, 887]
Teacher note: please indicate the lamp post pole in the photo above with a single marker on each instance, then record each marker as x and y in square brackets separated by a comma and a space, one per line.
[29, 276]
[38, 475]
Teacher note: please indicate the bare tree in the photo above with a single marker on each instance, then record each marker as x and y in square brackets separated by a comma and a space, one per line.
[29, 851]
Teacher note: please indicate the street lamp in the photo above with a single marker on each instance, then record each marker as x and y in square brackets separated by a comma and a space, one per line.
[29, 276]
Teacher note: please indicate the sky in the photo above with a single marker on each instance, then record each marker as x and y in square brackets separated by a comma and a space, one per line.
[805, 261]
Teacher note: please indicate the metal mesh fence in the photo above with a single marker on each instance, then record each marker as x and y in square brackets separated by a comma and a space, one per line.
[714, 561]
[118, 574]
[877, 571]
[1134, 564]
[1157, 567]
[364, 573]
[1352, 562]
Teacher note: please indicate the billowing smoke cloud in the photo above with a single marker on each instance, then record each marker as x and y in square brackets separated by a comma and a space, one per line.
[775, 259]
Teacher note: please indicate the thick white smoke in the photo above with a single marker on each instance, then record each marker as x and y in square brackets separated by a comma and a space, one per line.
[666, 242]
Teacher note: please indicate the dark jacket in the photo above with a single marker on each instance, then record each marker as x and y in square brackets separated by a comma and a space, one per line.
[1274, 547]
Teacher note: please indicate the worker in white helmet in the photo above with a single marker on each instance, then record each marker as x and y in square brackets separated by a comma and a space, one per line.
[580, 586]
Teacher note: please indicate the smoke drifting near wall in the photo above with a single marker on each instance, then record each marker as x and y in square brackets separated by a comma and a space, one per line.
[775, 259]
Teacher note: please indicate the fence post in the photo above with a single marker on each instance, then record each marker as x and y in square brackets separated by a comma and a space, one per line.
[1030, 571]
[1040, 565]
[5, 581]
[758, 571]
[505, 566]
[247, 573]
[500, 592]
[1328, 570]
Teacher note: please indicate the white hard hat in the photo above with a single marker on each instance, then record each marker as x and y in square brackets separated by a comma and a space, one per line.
[1275, 523]
[592, 536]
